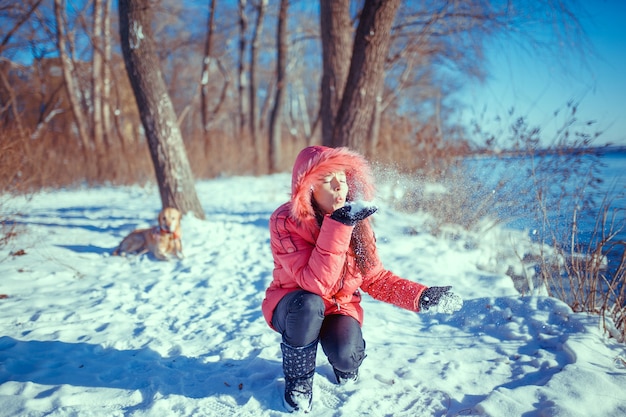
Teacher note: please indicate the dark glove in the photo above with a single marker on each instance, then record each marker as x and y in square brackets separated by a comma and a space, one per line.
[349, 218]
[440, 300]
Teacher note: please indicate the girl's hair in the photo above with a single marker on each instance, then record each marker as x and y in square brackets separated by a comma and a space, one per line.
[361, 242]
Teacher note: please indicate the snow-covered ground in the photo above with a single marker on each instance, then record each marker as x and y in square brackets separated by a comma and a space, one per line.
[86, 334]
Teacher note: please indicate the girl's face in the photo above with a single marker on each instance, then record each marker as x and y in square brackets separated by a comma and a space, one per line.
[330, 192]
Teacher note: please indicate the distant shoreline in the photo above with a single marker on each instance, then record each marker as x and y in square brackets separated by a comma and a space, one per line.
[593, 150]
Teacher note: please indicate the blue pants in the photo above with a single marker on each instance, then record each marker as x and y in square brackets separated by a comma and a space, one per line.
[299, 318]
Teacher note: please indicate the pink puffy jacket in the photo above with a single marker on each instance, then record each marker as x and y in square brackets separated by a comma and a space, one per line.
[319, 259]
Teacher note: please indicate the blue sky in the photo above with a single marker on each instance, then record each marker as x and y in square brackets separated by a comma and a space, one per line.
[537, 86]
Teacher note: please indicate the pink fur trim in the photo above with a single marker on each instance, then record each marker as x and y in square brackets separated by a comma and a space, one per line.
[314, 162]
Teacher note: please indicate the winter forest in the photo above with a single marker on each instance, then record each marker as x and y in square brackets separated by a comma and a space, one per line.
[242, 85]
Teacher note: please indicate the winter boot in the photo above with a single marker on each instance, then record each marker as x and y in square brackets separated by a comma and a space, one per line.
[299, 368]
[346, 377]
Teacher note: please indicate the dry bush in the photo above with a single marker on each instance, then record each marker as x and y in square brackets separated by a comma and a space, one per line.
[588, 271]
[422, 150]
[51, 161]
[12, 182]
[11, 163]
[220, 154]
[545, 190]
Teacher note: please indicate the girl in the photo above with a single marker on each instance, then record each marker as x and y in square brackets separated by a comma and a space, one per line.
[324, 251]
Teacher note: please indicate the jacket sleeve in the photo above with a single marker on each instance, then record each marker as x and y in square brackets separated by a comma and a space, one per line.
[390, 288]
[316, 266]
[384, 285]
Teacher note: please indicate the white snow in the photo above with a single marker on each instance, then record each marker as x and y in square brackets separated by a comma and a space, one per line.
[359, 205]
[83, 333]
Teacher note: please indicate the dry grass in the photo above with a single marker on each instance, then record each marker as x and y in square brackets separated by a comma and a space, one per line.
[12, 181]
[51, 162]
[589, 273]
[551, 190]
[585, 270]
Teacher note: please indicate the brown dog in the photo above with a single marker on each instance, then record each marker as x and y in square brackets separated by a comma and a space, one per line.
[162, 240]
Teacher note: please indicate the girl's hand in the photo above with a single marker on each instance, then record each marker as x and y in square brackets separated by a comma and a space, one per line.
[440, 300]
[350, 217]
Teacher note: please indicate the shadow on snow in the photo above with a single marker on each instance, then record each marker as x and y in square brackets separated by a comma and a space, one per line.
[56, 363]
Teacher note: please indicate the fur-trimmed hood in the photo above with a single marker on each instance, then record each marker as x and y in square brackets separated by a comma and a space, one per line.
[315, 162]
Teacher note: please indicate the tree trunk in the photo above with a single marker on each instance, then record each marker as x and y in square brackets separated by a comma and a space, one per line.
[253, 118]
[107, 125]
[243, 83]
[336, 52]
[206, 68]
[156, 111]
[69, 77]
[377, 113]
[97, 86]
[365, 79]
[275, 154]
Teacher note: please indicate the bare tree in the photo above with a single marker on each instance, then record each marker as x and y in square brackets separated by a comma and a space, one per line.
[97, 72]
[254, 53]
[242, 80]
[16, 26]
[206, 68]
[171, 165]
[353, 125]
[207, 114]
[69, 76]
[275, 155]
[10, 102]
[107, 125]
[8, 97]
[336, 28]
